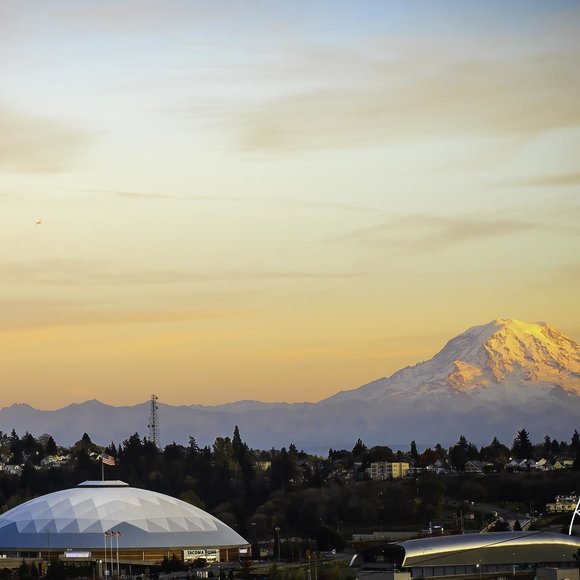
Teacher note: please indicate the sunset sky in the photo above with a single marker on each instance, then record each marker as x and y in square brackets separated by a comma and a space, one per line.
[277, 200]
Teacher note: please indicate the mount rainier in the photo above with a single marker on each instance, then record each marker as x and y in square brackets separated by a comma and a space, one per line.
[503, 361]
[491, 380]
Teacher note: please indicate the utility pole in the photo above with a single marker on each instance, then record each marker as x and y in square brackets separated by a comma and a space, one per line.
[154, 422]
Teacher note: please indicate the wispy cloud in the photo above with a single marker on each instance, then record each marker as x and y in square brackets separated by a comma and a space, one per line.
[462, 98]
[38, 145]
[246, 199]
[424, 233]
[557, 180]
[79, 273]
[27, 314]
[183, 277]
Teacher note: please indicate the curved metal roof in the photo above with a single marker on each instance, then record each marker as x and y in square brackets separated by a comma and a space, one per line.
[469, 549]
[79, 517]
[491, 548]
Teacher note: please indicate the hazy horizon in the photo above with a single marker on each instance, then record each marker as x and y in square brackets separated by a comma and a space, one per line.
[277, 201]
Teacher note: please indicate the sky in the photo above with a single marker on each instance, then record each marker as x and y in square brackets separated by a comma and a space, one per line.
[277, 200]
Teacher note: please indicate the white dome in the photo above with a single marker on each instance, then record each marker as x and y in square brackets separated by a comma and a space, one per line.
[78, 517]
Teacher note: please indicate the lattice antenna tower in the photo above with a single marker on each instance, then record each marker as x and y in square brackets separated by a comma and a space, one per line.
[154, 422]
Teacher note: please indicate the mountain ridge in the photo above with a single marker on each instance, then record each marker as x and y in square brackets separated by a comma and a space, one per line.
[503, 353]
[490, 380]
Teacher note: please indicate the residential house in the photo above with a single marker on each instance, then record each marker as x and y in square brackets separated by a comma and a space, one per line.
[477, 466]
[13, 469]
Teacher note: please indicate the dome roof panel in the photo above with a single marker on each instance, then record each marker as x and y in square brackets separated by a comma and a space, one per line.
[142, 524]
[91, 527]
[87, 510]
[178, 525]
[158, 525]
[62, 509]
[27, 527]
[77, 518]
[72, 527]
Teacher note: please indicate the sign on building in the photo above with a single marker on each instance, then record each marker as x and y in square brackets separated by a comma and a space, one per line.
[72, 554]
[209, 555]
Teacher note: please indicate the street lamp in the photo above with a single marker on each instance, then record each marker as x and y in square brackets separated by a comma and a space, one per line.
[278, 538]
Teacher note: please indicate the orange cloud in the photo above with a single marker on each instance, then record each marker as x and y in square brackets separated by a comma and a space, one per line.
[26, 314]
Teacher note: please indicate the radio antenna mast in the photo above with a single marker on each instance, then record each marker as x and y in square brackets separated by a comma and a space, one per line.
[154, 422]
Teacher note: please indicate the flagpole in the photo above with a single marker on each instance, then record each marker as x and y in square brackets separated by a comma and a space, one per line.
[105, 536]
[108, 460]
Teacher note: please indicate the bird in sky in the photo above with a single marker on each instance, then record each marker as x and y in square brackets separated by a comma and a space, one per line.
[38, 222]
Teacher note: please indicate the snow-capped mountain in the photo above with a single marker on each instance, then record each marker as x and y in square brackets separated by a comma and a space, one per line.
[491, 380]
[503, 361]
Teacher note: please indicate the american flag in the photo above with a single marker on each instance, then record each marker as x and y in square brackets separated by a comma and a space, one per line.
[107, 459]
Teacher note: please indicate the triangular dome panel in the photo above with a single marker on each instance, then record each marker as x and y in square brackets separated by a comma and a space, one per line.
[77, 518]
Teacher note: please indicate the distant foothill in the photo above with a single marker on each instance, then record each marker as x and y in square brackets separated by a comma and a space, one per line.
[489, 381]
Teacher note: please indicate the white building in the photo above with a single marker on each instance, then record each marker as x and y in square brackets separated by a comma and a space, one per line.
[97, 516]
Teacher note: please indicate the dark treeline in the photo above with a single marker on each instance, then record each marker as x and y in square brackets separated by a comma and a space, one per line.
[255, 491]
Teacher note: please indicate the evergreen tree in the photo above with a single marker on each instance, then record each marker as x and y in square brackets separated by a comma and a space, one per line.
[16, 455]
[86, 442]
[522, 447]
[547, 448]
[14, 437]
[495, 452]
[282, 469]
[414, 455]
[239, 448]
[359, 450]
[441, 453]
[111, 450]
[575, 443]
[50, 447]
[461, 453]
